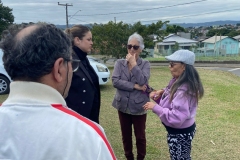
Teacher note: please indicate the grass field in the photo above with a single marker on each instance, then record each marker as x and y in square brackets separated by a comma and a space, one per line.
[218, 118]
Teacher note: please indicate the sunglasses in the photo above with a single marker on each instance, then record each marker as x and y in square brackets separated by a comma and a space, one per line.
[172, 64]
[129, 46]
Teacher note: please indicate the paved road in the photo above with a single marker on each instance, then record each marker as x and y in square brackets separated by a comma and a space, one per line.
[233, 68]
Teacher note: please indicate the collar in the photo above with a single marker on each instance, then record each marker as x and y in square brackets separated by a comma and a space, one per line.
[33, 92]
[81, 55]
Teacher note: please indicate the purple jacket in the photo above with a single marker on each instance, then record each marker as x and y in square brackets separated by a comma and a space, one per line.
[180, 112]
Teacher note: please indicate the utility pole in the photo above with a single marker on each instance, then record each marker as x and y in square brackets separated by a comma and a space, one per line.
[115, 19]
[66, 11]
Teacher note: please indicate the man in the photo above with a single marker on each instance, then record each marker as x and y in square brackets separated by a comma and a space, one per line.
[35, 123]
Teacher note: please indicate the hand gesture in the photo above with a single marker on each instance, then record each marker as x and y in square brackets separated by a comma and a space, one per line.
[141, 88]
[131, 59]
[156, 94]
[149, 106]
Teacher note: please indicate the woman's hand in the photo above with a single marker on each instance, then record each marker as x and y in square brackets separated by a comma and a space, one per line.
[149, 106]
[141, 88]
[152, 94]
[131, 59]
[156, 94]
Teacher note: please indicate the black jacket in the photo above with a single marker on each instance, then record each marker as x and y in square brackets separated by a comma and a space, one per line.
[84, 94]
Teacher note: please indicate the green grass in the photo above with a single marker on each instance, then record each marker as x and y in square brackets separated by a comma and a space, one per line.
[218, 118]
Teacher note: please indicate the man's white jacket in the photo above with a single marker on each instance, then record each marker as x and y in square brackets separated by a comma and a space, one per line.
[35, 124]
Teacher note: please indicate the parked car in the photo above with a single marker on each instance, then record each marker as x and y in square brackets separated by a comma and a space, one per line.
[4, 77]
[101, 70]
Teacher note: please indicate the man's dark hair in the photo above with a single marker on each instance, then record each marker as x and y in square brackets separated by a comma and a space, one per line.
[32, 56]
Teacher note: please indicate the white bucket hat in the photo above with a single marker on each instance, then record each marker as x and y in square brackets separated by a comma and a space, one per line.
[182, 55]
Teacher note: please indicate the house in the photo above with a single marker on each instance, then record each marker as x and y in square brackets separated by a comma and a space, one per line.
[220, 45]
[237, 38]
[173, 42]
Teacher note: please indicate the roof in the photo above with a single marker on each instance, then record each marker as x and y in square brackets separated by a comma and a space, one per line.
[173, 43]
[237, 37]
[172, 39]
[214, 39]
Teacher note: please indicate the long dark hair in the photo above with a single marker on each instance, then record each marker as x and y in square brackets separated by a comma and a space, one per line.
[191, 78]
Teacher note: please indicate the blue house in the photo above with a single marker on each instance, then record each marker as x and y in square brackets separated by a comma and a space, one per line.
[220, 45]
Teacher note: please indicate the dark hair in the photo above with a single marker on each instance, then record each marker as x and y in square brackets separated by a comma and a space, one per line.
[191, 78]
[77, 31]
[33, 55]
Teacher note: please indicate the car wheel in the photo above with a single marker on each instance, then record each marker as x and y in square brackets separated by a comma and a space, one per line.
[4, 85]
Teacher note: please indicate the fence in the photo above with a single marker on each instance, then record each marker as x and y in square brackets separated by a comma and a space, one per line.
[202, 54]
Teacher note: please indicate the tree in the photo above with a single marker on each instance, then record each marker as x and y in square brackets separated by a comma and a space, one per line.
[233, 33]
[175, 47]
[223, 32]
[6, 17]
[174, 29]
[111, 39]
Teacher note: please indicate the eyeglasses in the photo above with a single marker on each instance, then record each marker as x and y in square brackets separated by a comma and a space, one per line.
[75, 64]
[172, 64]
[129, 46]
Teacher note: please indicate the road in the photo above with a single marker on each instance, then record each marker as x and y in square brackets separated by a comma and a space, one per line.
[233, 68]
[228, 67]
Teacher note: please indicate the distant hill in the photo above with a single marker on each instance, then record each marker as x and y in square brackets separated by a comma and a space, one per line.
[205, 24]
[184, 25]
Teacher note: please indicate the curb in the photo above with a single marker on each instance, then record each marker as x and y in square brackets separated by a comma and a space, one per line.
[223, 64]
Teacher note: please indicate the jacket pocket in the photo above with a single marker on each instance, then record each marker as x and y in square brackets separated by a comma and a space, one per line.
[139, 100]
[118, 98]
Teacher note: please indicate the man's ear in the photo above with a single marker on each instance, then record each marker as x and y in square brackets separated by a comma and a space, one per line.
[58, 69]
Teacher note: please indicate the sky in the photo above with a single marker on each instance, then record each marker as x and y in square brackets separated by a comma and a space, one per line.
[127, 11]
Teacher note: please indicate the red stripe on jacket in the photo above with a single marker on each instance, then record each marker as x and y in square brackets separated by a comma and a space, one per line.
[88, 122]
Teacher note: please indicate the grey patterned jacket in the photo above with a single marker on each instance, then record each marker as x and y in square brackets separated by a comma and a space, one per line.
[127, 99]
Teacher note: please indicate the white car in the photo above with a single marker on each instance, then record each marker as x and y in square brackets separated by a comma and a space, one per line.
[4, 77]
[101, 70]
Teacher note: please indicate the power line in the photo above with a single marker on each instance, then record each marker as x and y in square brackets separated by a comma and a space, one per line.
[81, 20]
[183, 16]
[144, 9]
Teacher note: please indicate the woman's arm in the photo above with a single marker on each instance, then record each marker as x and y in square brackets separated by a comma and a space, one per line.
[176, 112]
[142, 74]
[118, 80]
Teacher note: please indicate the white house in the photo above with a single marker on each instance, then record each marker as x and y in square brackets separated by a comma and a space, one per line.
[167, 46]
